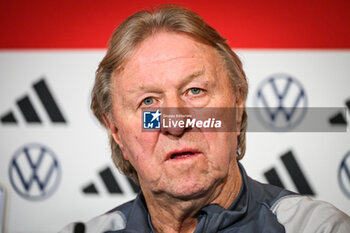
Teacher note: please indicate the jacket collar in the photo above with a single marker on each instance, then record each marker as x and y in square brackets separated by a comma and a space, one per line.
[211, 216]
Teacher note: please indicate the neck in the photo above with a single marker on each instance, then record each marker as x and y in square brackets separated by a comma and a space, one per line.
[174, 215]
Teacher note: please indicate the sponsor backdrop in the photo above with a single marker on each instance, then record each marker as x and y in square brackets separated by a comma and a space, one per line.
[55, 160]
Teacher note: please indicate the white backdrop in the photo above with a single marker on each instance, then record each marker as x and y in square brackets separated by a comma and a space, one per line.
[81, 147]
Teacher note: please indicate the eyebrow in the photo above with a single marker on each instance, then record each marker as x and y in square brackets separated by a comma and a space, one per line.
[193, 76]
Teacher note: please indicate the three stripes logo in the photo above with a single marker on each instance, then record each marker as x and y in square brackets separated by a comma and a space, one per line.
[339, 118]
[295, 172]
[111, 184]
[28, 111]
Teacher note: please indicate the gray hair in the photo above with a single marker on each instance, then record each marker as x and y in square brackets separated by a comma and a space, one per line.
[136, 29]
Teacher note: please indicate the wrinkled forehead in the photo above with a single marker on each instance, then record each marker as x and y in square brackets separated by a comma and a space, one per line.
[163, 47]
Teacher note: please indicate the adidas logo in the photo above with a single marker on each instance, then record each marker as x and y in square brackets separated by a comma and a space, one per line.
[339, 118]
[27, 108]
[295, 173]
[111, 184]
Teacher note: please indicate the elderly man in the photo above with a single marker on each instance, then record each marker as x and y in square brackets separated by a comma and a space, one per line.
[191, 179]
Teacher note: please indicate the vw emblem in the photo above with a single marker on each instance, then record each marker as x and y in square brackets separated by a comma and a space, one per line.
[344, 175]
[34, 172]
[281, 102]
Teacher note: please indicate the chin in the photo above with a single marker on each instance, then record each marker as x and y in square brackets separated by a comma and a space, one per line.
[188, 191]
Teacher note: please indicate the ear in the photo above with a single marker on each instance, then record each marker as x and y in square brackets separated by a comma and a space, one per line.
[114, 132]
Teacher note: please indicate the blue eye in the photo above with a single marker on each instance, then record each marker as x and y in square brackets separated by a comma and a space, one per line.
[148, 101]
[195, 91]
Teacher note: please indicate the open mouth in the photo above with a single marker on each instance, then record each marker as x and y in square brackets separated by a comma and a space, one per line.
[182, 154]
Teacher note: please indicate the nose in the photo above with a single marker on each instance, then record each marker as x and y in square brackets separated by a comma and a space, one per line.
[174, 114]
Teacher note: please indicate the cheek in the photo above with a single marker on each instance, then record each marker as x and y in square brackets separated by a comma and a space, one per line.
[137, 142]
[223, 147]
[140, 151]
[132, 138]
[138, 147]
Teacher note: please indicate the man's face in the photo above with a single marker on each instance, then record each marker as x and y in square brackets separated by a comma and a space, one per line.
[173, 70]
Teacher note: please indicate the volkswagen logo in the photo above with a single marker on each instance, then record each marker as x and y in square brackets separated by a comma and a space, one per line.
[281, 102]
[344, 175]
[34, 172]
